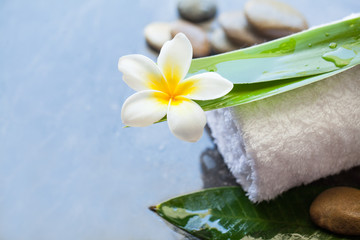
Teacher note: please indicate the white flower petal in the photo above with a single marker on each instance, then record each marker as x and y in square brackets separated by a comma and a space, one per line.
[175, 58]
[144, 108]
[204, 86]
[186, 119]
[141, 73]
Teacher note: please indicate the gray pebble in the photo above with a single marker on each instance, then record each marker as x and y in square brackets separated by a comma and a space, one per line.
[220, 42]
[237, 28]
[274, 19]
[157, 33]
[197, 10]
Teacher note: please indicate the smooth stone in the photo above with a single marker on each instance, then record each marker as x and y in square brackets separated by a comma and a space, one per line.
[274, 19]
[338, 210]
[220, 43]
[197, 10]
[208, 25]
[157, 33]
[197, 37]
[237, 28]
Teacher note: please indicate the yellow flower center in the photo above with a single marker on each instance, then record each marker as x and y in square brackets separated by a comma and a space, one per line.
[171, 86]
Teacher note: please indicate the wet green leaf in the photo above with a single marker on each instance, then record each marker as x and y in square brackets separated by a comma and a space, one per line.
[226, 213]
[312, 52]
[284, 64]
[245, 93]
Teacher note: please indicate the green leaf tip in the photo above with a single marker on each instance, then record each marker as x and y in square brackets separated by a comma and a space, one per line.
[153, 209]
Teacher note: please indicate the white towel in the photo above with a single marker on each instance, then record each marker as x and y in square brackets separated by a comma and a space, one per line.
[293, 138]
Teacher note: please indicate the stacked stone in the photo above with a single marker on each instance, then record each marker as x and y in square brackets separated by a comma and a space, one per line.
[259, 21]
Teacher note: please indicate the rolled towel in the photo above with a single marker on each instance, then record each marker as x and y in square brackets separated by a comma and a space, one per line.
[292, 138]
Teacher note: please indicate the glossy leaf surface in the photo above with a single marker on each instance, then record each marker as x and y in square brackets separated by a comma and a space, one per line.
[245, 93]
[312, 52]
[226, 213]
[284, 64]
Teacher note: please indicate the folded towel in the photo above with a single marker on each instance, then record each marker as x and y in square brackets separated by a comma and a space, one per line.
[292, 138]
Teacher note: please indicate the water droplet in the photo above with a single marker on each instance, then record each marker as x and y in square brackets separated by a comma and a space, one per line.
[310, 45]
[340, 57]
[327, 34]
[333, 45]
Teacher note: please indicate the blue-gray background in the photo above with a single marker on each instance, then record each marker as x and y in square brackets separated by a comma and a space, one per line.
[68, 170]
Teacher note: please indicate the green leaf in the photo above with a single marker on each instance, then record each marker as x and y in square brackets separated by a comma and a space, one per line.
[245, 93]
[312, 52]
[226, 213]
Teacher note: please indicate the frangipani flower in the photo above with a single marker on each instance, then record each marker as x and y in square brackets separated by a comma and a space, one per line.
[162, 90]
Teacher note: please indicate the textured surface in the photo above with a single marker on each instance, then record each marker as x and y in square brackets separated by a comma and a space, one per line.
[292, 138]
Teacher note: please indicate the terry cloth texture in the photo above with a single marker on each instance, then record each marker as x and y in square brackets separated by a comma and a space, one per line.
[293, 138]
